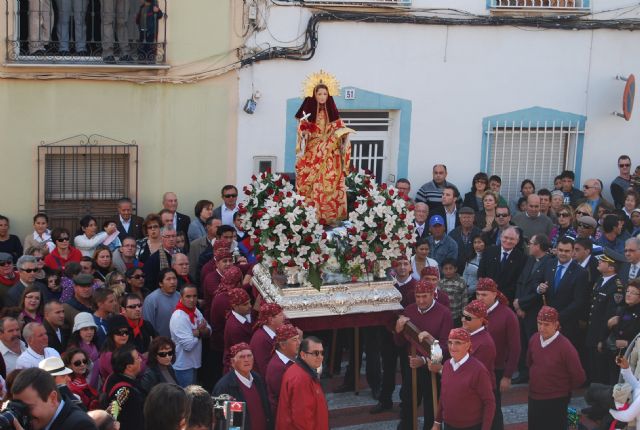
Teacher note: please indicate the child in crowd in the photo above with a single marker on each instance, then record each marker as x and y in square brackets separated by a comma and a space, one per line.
[455, 287]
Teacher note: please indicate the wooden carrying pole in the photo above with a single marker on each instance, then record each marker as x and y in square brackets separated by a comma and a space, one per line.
[411, 334]
[414, 392]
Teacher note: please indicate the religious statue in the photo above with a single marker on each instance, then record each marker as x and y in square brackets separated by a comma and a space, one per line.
[323, 149]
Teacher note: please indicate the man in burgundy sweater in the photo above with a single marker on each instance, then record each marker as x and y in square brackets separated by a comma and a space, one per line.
[262, 342]
[435, 321]
[554, 371]
[247, 386]
[474, 320]
[466, 400]
[287, 343]
[503, 328]
[239, 326]
[210, 280]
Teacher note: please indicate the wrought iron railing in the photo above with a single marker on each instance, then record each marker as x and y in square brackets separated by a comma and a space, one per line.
[99, 33]
[541, 4]
[362, 2]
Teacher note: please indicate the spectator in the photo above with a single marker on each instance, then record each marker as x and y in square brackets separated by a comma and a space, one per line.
[611, 234]
[203, 211]
[123, 388]
[201, 417]
[420, 259]
[572, 195]
[27, 271]
[301, 399]
[503, 263]
[53, 291]
[479, 184]
[532, 221]
[128, 224]
[631, 201]
[37, 388]
[152, 240]
[82, 298]
[449, 209]
[545, 204]
[592, 193]
[188, 327]
[622, 182]
[63, 253]
[142, 330]
[119, 336]
[102, 263]
[8, 277]
[147, 18]
[586, 227]
[135, 283]
[124, 258]
[162, 354]
[200, 245]
[287, 343]
[161, 259]
[106, 306]
[38, 252]
[564, 227]
[503, 220]
[80, 365]
[421, 212]
[454, 286]
[404, 187]
[527, 187]
[159, 305]
[11, 347]
[167, 407]
[631, 269]
[41, 234]
[463, 235]
[83, 337]
[37, 350]
[225, 211]
[486, 218]
[431, 192]
[470, 274]
[182, 244]
[557, 200]
[262, 344]
[557, 184]
[248, 386]
[116, 283]
[180, 263]
[9, 243]
[442, 246]
[32, 305]
[180, 221]
[114, 17]
[104, 420]
[113, 240]
[54, 319]
[495, 183]
[87, 242]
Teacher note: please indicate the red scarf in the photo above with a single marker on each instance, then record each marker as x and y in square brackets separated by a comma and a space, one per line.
[186, 310]
[135, 326]
[10, 281]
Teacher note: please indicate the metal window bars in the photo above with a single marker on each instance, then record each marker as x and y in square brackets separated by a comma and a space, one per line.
[368, 155]
[362, 2]
[536, 150]
[86, 32]
[540, 4]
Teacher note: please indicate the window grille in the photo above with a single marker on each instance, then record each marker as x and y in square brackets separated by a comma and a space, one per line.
[540, 4]
[362, 2]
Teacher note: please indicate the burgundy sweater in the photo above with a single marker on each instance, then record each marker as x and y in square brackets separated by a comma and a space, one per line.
[254, 406]
[484, 350]
[554, 371]
[466, 398]
[235, 332]
[275, 371]
[505, 331]
[262, 347]
[209, 286]
[437, 321]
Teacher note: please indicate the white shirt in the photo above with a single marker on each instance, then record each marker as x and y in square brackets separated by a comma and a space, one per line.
[283, 357]
[477, 331]
[30, 358]
[547, 342]
[420, 228]
[493, 306]
[246, 382]
[457, 365]
[451, 219]
[429, 262]
[270, 332]
[227, 214]
[586, 261]
[45, 238]
[188, 346]
[175, 220]
[241, 318]
[125, 224]
[11, 357]
[422, 312]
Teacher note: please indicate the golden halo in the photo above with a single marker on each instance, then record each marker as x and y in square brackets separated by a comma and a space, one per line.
[320, 77]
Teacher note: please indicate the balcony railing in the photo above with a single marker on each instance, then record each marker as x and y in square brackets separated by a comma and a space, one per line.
[40, 32]
[541, 4]
[361, 2]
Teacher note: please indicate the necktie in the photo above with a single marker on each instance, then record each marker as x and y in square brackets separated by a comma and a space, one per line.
[558, 277]
[634, 271]
[505, 255]
[420, 230]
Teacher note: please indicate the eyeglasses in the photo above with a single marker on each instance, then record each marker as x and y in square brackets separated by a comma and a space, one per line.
[6, 263]
[62, 239]
[316, 353]
[137, 277]
[118, 281]
[502, 215]
[624, 165]
[564, 215]
[467, 317]
[169, 236]
[39, 259]
[152, 227]
[136, 306]
[123, 332]
[582, 213]
[588, 187]
[28, 270]
[80, 362]
[164, 354]
[229, 196]
[584, 225]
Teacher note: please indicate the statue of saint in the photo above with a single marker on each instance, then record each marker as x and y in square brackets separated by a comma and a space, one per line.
[323, 151]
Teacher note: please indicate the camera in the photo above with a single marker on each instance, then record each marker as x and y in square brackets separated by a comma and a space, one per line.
[15, 409]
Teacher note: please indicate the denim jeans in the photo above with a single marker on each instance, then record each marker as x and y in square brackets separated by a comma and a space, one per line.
[185, 377]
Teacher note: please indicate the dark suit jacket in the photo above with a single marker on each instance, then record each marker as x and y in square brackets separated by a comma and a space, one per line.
[72, 417]
[425, 232]
[182, 224]
[604, 302]
[465, 250]
[471, 202]
[506, 275]
[624, 273]
[439, 210]
[228, 384]
[151, 269]
[528, 298]
[54, 342]
[568, 298]
[135, 227]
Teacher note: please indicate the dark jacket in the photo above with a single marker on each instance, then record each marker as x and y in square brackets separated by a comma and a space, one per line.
[506, 275]
[72, 417]
[228, 384]
[152, 376]
[606, 299]
[151, 269]
[54, 342]
[623, 273]
[131, 417]
[465, 247]
[135, 227]
[471, 202]
[528, 299]
[182, 224]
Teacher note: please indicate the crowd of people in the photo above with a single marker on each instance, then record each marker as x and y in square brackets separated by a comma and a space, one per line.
[121, 318]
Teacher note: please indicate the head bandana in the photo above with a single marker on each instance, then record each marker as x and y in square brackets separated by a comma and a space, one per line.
[478, 309]
[267, 310]
[459, 334]
[286, 332]
[488, 284]
[423, 286]
[237, 296]
[235, 349]
[548, 314]
[430, 271]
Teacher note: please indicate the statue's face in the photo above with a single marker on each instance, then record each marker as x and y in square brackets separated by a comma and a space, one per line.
[321, 95]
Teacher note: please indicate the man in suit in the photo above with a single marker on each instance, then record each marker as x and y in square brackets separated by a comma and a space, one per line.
[53, 322]
[564, 286]
[583, 255]
[504, 263]
[128, 224]
[421, 213]
[225, 211]
[631, 269]
[180, 221]
[449, 208]
[36, 388]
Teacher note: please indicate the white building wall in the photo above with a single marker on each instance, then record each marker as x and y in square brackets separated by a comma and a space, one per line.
[454, 76]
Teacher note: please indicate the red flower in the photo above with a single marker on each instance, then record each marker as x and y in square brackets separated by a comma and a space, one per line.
[257, 232]
[402, 215]
[272, 223]
[305, 265]
[356, 205]
[254, 178]
[325, 257]
[291, 263]
[274, 264]
[383, 186]
[308, 239]
[389, 202]
[383, 236]
[288, 179]
[324, 235]
[391, 192]
[370, 203]
[322, 221]
[289, 194]
[352, 230]
[282, 211]
[269, 191]
[363, 236]
[408, 236]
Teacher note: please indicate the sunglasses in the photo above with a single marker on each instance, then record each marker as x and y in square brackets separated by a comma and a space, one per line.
[28, 270]
[316, 353]
[165, 354]
[564, 215]
[62, 239]
[152, 227]
[502, 215]
[624, 165]
[467, 317]
[582, 213]
[136, 306]
[118, 281]
[39, 259]
[137, 277]
[123, 332]
[228, 196]
[6, 263]
[80, 362]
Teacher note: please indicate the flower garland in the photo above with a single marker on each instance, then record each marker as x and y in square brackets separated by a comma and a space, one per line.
[285, 230]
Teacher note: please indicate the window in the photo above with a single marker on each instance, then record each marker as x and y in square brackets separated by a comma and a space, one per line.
[75, 180]
[531, 150]
[369, 144]
[101, 34]
[542, 5]
[363, 2]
